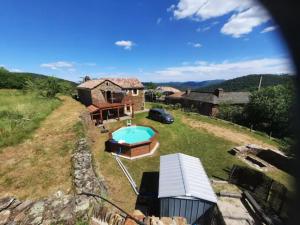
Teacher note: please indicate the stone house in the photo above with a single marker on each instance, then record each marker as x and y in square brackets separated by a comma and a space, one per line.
[207, 103]
[112, 97]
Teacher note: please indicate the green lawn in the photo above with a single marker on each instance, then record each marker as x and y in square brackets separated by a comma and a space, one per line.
[173, 138]
[20, 114]
[178, 137]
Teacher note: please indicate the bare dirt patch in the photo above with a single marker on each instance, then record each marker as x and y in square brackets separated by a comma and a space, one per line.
[225, 133]
[41, 165]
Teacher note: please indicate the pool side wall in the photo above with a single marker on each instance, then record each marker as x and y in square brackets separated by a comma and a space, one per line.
[132, 150]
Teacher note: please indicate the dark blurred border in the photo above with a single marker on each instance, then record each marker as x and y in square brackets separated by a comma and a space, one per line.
[286, 13]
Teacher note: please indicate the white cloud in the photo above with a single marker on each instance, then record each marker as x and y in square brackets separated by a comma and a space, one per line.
[171, 8]
[158, 21]
[57, 65]
[127, 45]
[204, 9]
[195, 45]
[247, 13]
[206, 28]
[203, 70]
[15, 70]
[244, 22]
[268, 29]
[200, 29]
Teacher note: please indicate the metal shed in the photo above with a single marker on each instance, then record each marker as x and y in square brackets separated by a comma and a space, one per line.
[184, 188]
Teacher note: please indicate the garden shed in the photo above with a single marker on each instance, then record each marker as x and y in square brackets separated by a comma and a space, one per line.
[184, 189]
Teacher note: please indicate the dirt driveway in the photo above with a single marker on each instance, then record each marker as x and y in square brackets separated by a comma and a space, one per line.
[236, 137]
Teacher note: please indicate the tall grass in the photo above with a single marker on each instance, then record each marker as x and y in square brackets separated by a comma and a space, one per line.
[20, 114]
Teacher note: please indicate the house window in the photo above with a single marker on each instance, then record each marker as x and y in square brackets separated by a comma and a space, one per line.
[135, 92]
[127, 91]
[106, 83]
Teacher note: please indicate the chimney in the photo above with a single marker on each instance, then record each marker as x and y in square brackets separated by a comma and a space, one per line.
[188, 91]
[218, 92]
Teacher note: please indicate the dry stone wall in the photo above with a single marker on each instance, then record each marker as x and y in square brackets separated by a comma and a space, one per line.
[67, 209]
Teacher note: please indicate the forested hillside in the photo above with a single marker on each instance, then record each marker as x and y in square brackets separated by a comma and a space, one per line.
[183, 85]
[13, 80]
[250, 82]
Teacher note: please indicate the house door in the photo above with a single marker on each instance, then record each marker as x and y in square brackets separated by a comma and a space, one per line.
[108, 96]
[128, 109]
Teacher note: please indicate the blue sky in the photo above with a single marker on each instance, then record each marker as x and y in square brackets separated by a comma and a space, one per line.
[169, 40]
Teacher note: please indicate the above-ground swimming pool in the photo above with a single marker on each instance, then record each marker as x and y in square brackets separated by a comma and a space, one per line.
[133, 141]
[133, 134]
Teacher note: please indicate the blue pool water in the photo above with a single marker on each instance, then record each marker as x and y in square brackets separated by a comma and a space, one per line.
[133, 134]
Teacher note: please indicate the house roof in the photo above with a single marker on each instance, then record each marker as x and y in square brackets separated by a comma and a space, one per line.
[225, 97]
[234, 97]
[176, 95]
[167, 89]
[122, 82]
[183, 176]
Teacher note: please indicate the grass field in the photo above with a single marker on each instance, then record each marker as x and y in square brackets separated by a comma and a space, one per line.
[21, 114]
[177, 137]
[40, 164]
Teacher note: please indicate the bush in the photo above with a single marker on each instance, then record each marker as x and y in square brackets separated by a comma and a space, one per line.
[231, 113]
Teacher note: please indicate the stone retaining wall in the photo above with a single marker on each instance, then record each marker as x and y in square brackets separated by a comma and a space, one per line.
[67, 209]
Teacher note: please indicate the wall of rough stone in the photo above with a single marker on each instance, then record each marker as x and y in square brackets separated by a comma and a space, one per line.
[67, 209]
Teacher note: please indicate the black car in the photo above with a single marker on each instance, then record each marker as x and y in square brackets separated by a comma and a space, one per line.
[160, 115]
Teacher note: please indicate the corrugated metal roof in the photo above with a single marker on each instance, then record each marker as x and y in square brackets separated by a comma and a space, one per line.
[183, 176]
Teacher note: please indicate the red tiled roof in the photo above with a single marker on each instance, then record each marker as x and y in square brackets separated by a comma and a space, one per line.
[167, 89]
[176, 95]
[122, 82]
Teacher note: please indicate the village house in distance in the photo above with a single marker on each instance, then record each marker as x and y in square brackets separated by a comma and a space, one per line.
[108, 98]
[207, 103]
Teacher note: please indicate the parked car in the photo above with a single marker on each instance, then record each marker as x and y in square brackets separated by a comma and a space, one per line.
[160, 115]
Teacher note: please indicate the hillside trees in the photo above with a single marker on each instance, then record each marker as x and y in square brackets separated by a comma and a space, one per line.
[251, 82]
[271, 110]
[27, 81]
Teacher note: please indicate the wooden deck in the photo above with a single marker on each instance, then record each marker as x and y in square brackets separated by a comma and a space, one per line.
[96, 110]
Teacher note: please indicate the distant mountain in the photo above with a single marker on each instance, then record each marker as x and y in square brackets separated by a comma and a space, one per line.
[185, 85]
[249, 82]
[15, 80]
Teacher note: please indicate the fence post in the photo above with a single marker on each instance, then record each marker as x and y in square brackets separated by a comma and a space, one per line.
[269, 190]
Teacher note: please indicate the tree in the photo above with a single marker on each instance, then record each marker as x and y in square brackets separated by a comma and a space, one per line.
[150, 85]
[51, 87]
[233, 113]
[270, 109]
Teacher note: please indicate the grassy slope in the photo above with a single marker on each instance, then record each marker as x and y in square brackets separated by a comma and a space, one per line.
[40, 165]
[177, 137]
[21, 114]
[235, 127]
